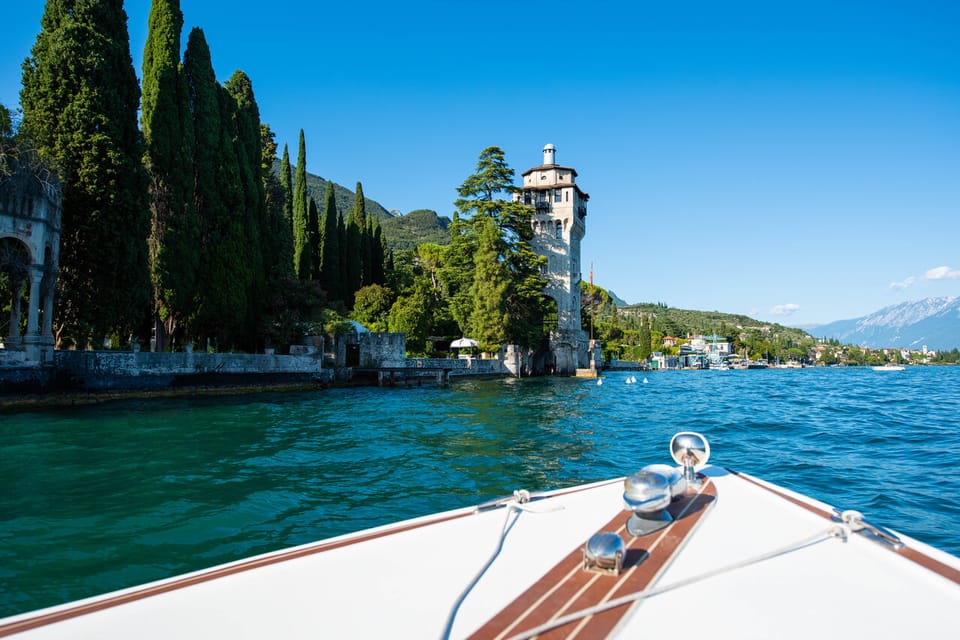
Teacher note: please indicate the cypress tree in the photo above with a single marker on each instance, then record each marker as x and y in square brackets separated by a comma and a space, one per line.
[246, 139]
[353, 246]
[219, 195]
[301, 252]
[346, 293]
[330, 247]
[175, 234]
[380, 257]
[79, 98]
[286, 184]
[312, 249]
[278, 235]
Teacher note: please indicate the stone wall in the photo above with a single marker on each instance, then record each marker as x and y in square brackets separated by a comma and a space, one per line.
[460, 366]
[115, 370]
[382, 349]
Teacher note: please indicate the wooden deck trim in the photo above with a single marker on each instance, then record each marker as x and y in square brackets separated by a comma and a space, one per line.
[911, 553]
[206, 575]
[567, 587]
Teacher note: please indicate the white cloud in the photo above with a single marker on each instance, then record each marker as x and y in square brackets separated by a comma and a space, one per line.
[785, 309]
[903, 284]
[941, 273]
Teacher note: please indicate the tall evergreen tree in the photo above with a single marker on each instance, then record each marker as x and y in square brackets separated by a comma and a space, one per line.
[255, 240]
[330, 247]
[352, 249]
[167, 130]
[523, 301]
[301, 252]
[80, 98]
[491, 282]
[279, 234]
[219, 197]
[346, 295]
[457, 272]
[312, 249]
[381, 258]
[286, 183]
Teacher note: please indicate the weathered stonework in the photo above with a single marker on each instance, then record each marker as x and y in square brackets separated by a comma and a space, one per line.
[559, 224]
[30, 214]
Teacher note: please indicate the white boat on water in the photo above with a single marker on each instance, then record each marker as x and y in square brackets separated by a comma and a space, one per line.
[703, 551]
[889, 367]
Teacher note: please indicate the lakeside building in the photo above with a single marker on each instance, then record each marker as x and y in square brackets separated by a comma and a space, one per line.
[559, 224]
[30, 218]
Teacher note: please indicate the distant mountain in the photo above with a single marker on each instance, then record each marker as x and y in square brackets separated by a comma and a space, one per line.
[616, 299]
[934, 322]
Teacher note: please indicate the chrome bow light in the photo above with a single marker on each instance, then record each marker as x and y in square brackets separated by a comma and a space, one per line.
[674, 475]
[604, 553]
[647, 494]
[690, 449]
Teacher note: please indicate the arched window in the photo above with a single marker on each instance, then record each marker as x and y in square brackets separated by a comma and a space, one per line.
[559, 230]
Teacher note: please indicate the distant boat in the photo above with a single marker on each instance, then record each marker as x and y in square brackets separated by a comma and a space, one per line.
[889, 367]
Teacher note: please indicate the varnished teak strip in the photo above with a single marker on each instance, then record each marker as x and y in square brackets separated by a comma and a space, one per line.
[567, 588]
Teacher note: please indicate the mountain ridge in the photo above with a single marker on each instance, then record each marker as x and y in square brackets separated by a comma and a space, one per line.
[930, 322]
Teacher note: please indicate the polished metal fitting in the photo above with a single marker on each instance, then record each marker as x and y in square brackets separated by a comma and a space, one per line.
[647, 494]
[604, 553]
[674, 476]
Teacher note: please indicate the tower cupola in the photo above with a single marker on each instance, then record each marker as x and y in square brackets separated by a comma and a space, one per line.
[549, 154]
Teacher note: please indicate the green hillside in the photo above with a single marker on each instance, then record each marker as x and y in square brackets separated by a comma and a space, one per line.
[317, 189]
[415, 228]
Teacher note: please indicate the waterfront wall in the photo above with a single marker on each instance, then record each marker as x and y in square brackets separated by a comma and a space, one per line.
[116, 370]
[460, 366]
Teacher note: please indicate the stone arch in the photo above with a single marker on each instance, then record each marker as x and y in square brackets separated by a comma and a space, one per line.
[30, 214]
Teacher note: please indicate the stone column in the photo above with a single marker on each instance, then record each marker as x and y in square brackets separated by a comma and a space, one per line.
[47, 330]
[13, 339]
[33, 324]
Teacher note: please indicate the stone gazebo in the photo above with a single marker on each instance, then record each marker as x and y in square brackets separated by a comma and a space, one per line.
[30, 214]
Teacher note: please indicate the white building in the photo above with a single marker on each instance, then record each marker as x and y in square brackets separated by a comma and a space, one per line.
[559, 226]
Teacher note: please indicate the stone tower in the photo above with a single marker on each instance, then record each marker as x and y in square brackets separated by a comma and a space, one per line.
[559, 224]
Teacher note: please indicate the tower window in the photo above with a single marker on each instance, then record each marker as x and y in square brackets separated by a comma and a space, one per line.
[559, 230]
[556, 195]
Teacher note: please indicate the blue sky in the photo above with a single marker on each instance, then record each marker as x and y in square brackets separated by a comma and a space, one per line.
[795, 162]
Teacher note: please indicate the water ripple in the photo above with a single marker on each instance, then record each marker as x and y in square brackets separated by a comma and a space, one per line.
[98, 498]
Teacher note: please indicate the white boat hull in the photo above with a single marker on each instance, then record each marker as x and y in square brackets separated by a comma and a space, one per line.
[708, 573]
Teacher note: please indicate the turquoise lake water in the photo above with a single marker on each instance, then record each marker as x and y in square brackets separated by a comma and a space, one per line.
[102, 497]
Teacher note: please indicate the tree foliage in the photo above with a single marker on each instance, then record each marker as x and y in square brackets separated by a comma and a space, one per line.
[302, 259]
[80, 98]
[168, 133]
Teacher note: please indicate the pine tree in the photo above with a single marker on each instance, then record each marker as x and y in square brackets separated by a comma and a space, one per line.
[167, 130]
[79, 98]
[330, 247]
[489, 291]
[524, 303]
[457, 273]
[301, 251]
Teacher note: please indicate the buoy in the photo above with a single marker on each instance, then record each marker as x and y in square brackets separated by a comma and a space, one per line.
[644, 381]
[599, 381]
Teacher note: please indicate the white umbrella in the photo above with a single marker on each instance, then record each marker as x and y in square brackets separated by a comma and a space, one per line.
[461, 343]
